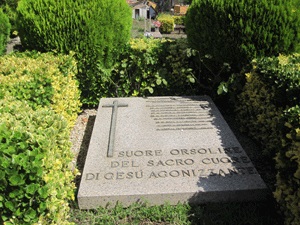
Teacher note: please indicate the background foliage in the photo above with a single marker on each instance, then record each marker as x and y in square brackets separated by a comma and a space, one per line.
[179, 20]
[4, 31]
[151, 67]
[229, 31]
[9, 7]
[167, 23]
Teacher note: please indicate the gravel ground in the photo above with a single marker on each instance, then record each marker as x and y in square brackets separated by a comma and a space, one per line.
[80, 138]
[78, 131]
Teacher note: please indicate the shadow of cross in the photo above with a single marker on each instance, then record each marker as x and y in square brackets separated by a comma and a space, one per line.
[111, 140]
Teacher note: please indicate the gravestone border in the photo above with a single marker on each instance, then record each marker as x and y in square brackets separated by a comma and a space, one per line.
[222, 190]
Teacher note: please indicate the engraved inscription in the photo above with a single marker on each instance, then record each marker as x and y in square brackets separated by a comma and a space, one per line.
[180, 114]
[171, 162]
[177, 163]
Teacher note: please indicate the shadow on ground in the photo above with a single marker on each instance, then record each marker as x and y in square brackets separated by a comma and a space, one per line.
[243, 213]
[264, 212]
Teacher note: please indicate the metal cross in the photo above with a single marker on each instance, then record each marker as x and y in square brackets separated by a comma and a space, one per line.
[111, 141]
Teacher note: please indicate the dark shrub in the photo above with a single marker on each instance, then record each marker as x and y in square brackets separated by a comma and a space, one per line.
[95, 29]
[236, 31]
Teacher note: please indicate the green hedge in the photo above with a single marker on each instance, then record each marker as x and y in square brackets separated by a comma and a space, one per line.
[39, 102]
[4, 31]
[179, 20]
[236, 31]
[36, 180]
[288, 165]
[258, 115]
[42, 80]
[272, 86]
[167, 23]
[268, 109]
[96, 30]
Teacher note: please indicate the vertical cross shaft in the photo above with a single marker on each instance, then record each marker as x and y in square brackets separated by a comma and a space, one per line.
[111, 140]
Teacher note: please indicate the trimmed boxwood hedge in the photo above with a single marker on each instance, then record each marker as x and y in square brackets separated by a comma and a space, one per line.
[36, 180]
[268, 108]
[42, 80]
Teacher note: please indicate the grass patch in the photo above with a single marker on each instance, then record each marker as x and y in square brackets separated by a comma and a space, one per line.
[138, 28]
[134, 214]
[246, 213]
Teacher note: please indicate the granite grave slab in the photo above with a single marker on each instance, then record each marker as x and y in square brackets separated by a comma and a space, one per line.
[165, 149]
